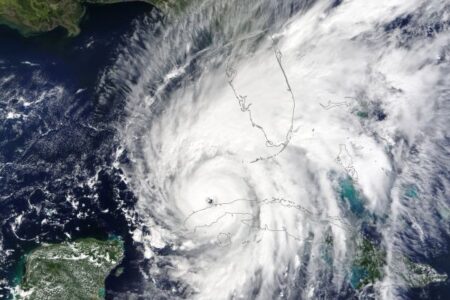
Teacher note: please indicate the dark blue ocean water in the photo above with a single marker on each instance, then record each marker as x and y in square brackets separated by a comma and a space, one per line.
[60, 145]
[60, 149]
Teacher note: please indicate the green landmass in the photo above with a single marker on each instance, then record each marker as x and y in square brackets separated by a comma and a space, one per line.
[31, 17]
[368, 265]
[420, 275]
[370, 259]
[69, 270]
[362, 114]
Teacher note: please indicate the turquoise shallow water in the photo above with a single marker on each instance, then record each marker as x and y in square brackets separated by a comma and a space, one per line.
[351, 196]
[357, 275]
[411, 191]
[61, 135]
[81, 142]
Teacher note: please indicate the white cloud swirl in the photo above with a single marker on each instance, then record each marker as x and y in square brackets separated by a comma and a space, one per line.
[242, 122]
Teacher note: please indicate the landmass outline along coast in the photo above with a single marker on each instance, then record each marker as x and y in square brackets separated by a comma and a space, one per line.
[31, 17]
[222, 149]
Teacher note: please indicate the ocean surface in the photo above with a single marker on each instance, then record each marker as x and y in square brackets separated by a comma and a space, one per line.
[240, 149]
[58, 178]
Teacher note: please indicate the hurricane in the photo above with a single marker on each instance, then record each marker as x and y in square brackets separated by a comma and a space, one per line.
[268, 141]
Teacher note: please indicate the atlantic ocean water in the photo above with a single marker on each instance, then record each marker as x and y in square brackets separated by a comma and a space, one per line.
[240, 149]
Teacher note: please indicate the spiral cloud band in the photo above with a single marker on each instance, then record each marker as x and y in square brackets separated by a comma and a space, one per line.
[267, 137]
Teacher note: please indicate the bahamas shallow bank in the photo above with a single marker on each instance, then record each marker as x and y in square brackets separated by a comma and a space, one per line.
[255, 149]
[289, 149]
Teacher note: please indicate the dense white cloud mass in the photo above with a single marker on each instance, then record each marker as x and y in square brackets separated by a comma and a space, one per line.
[265, 137]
